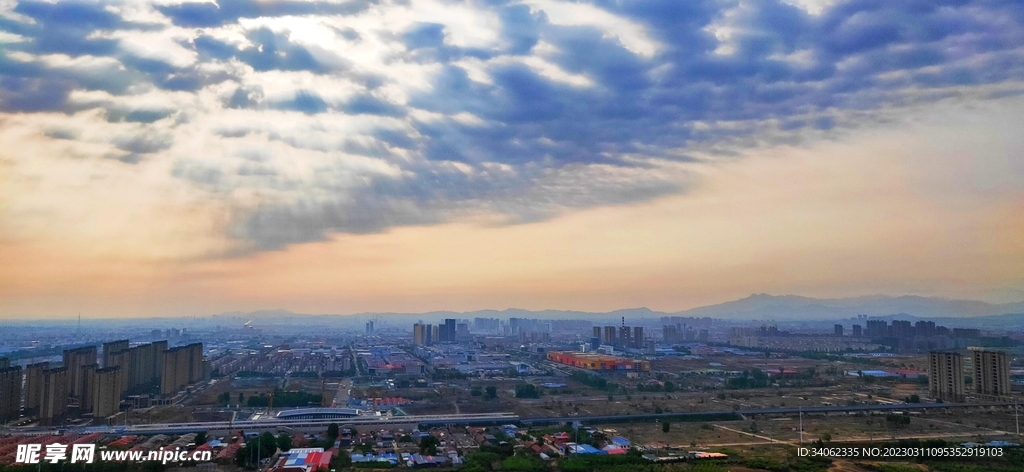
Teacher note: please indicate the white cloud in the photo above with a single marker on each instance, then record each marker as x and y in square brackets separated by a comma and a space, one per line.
[632, 36]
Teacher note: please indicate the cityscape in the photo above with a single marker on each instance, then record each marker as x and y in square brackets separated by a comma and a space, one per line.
[511, 235]
[377, 391]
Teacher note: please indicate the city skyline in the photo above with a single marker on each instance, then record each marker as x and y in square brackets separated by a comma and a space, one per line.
[179, 159]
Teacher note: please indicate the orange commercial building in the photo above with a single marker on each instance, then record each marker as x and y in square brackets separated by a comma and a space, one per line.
[599, 362]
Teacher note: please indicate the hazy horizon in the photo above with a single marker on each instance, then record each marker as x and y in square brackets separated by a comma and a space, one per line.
[167, 158]
[1013, 308]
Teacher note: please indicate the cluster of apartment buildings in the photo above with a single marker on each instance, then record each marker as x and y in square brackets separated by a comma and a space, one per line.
[622, 336]
[427, 334]
[82, 385]
[676, 333]
[990, 374]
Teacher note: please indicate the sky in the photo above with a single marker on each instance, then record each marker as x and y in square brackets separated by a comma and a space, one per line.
[168, 158]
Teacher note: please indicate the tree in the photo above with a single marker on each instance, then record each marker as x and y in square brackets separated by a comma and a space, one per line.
[527, 391]
[200, 438]
[341, 460]
[491, 392]
[241, 398]
[670, 387]
[224, 398]
[332, 432]
[428, 445]
[666, 426]
[284, 442]
[267, 444]
[476, 392]
[896, 422]
[242, 456]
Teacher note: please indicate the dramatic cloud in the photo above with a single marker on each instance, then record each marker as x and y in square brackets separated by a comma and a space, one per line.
[307, 118]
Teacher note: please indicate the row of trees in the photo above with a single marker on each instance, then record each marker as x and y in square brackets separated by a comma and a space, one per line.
[667, 386]
[490, 392]
[261, 447]
[285, 398]
[595, 381]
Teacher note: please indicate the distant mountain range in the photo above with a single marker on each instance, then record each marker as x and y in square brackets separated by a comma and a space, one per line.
[763, 306]
[755, 307]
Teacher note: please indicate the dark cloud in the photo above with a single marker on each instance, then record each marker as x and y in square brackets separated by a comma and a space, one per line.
[559, 146]
[62, 133]
[273, 52]
[146, 143]
[21, 94]
[305, 101]
[245, 98]
[146, 116]
[369, 105]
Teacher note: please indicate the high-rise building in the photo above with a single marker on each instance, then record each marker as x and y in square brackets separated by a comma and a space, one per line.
[669, 333]
[624, 336]
[704, 336]
[857, 331]
[435, 334]
[53, 400]
[902, 329]
[74, 360]
[369, 327]
[183, 365]
[946, 376]
[991, 372]
[112, 347]
[106, 391]
[420, 334]
[448, 329]
[838, 330]
[88, 376]
[924, 328]
[4, 362]
[638, 337]
[10, 393]
[877, 329]
[140, 365]
[609, 335]
[34, 386]
[597, 332]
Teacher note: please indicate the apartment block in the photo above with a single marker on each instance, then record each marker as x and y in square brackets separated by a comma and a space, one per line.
[991, 372]
[34, 386]
[181, 366]
[53, 401]
[106, 391]
[10, 393]
[74, 360]
[946, 376]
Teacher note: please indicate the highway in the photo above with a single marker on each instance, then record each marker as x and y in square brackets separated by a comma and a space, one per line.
[759, 411]
[275, 424]
[316, 425]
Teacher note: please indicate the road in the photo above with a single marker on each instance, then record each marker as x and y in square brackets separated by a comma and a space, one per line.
[272, 424]
[344, 390]
[758, 436]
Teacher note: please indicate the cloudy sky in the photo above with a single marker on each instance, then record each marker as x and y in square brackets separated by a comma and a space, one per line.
[178, 158]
